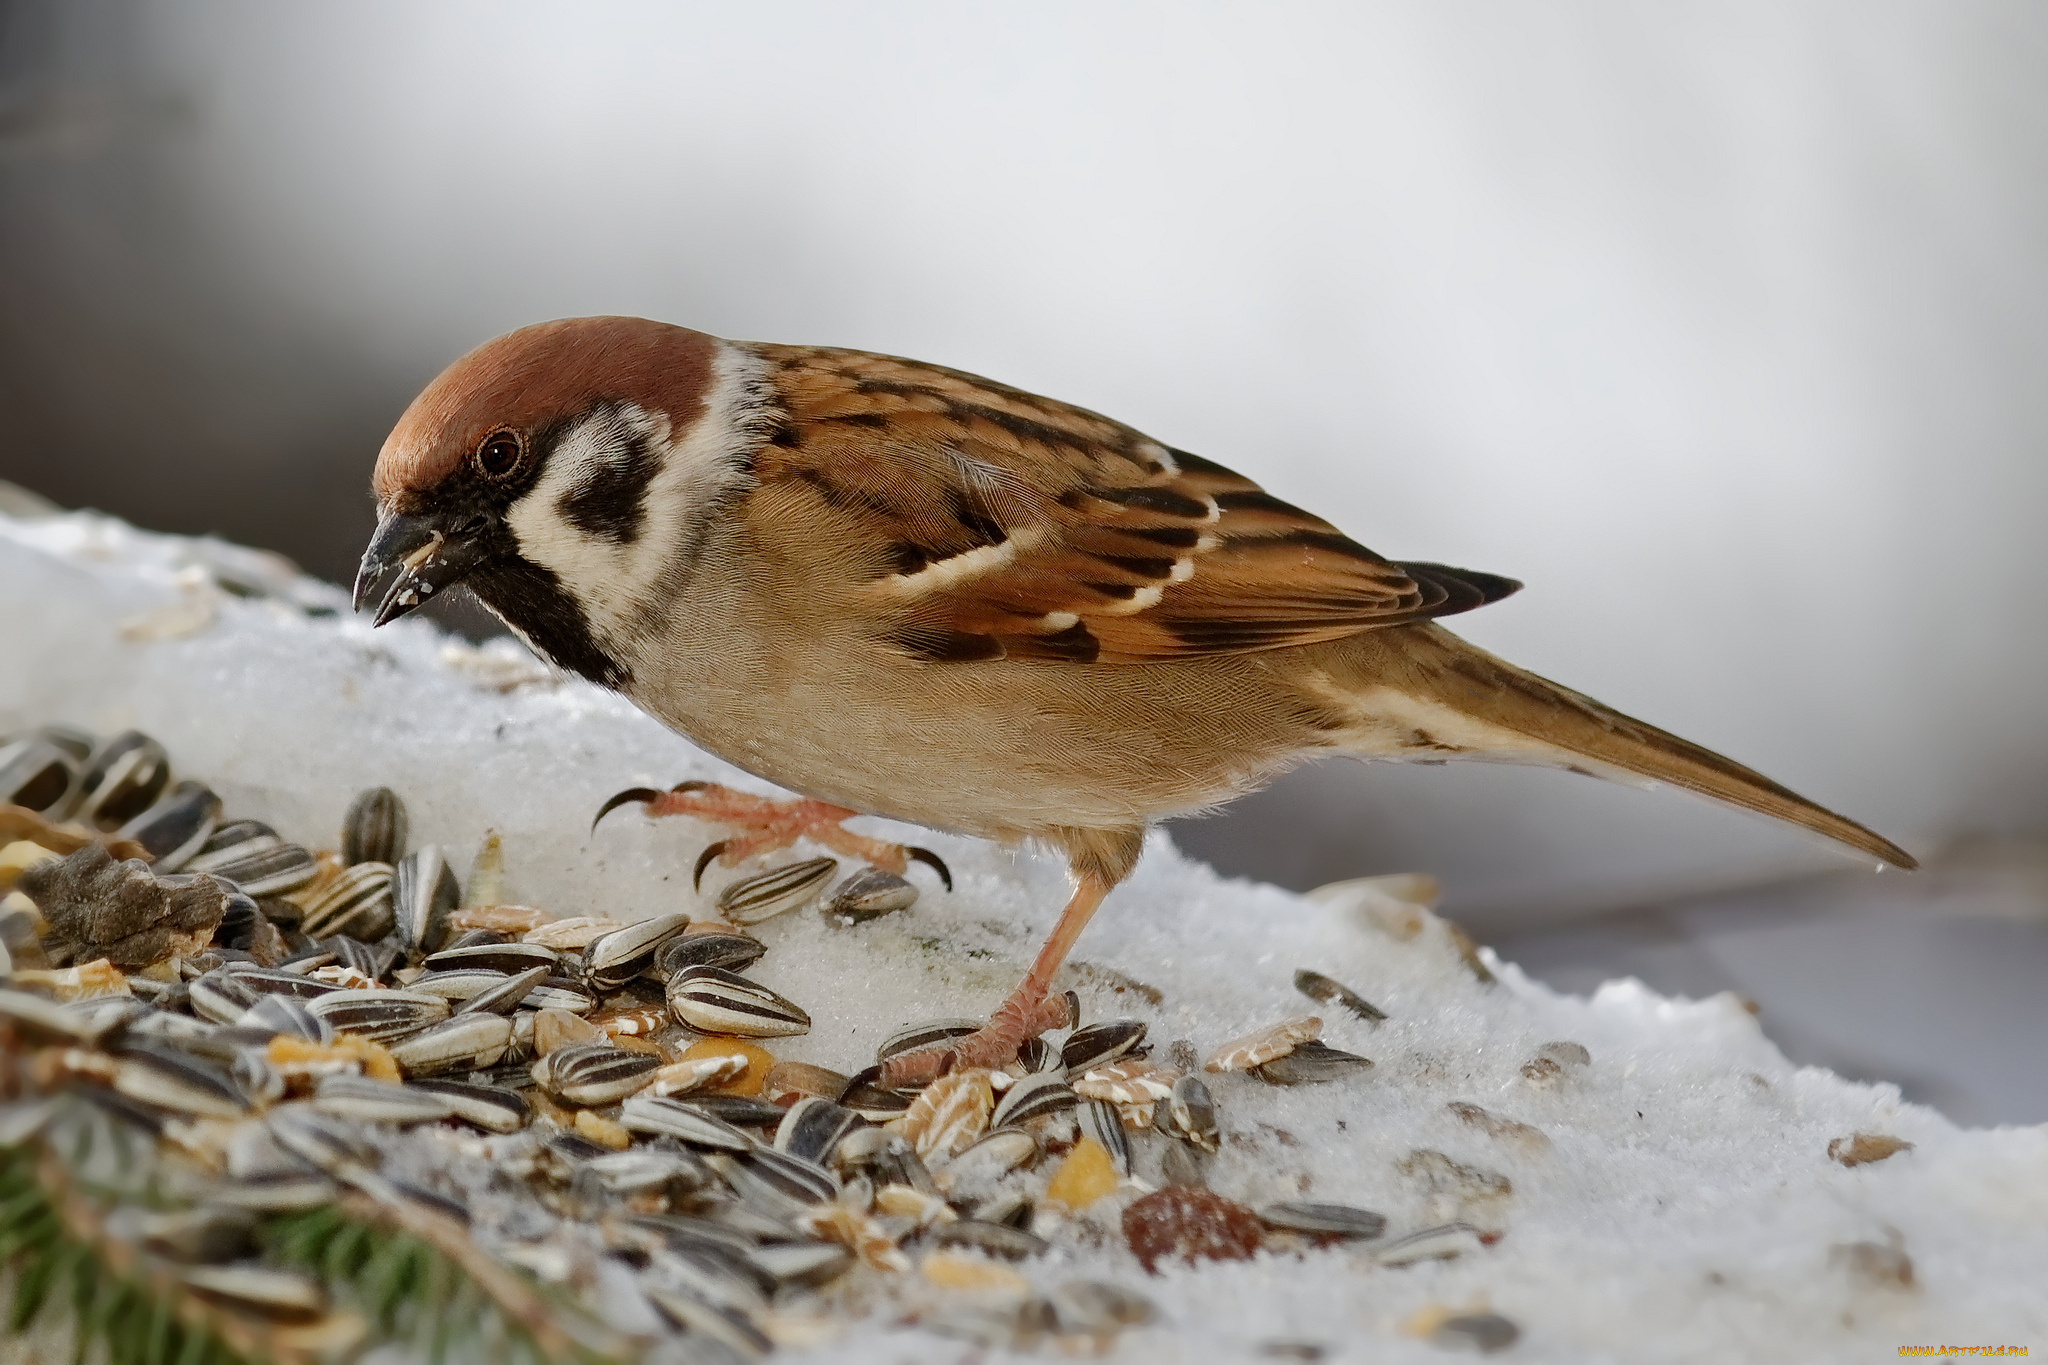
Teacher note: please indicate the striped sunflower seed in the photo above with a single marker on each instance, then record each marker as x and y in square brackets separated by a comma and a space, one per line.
[686, 1123]
[814, 1128]
[493, 1108]
[424, 893]
[768, 894]
[1101, 1121]
[929, 1033]
[379, 1015]
[1312, 1063]
[1100, 1044]
[593, 1074]
[178, 1082]
[1430, 1244]
[505, 995]
[281, 1296]
[1034, 1097]
[374, 829]
[1192, 1113]
[509, 958]
[220, 998]
[708, 948]
[363, 1100]
[123, 779]
[616, 958]
[1325, 1220]
[463, 1043]
[713, 1000]
[175, 827]
[560, 993]
[869, 894]
[356, 903]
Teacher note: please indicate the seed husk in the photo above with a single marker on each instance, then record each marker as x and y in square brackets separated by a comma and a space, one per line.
[616, 958]
[1324, 990]
[374, 829]
[1255, 1049]
[801, 1263]
[1094, 1308]
[1325, 1220]
[713, 1000]
[424, 893]
[1482, 1332]
[869, 894]
[685, 1122]
[38, 775]
[1100, 1044]
[929, 1033]
[1312, 1063]
[814, 1127]
[510, 958]
[560, 993]
[1130, 1081]
[1101, 1121]
[741, 1111]
[173, 1080]
[379, 1015]
[460, 985]
[221, 998]
[802, 1078]
[280, 1192]
[288, 1015]
[1193, 1113]
[271, 871]
[592, 1074]
[997, 1239]
[768, 894]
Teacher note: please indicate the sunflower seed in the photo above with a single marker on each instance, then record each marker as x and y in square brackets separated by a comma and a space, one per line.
[281, 1192]
[1326, 991]
[997, 1239]
[814, 1127]
[930, 1033]
[46, 1018]
[592, 1074]
[865, 1096]
[990, 1157]
[269, 871]
[616, 958]
[1430, 1244]
[801, 1078]
[1311, 1063]
[372, 960]
[741, 1111]
[38, 775]
[424, 893]
[1034, 1097]
[1254, 1049]
[809, 1264]
[1100, 1044]
[496, 957]
[124, 779]
[1094, 1308]
[374, 829]
[869, 894]
[176, 1081]
[726, 1326]
[493, 1108]
[686, 1123]
[379, 1015]
[768, 894]
[256, 1078]
[222, 999]
[357, 903]
[326, 1142]
[713, 1000]
[463, 1043]
[710, 948]
[503, 997]
[560, 993]
[205, 1235]
[1481, 1332]
[791, 1177]
[173, 829]
[462, 984]
[1325, 1220]
[365, 1100]
[643, 1168]
[694, 1073]
[1036, 1055]
[269, 981]
[1101, 1121]
[1192, 1113]
[283, 1296]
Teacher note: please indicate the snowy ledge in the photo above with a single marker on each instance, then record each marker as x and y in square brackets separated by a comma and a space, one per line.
[1684, 1205]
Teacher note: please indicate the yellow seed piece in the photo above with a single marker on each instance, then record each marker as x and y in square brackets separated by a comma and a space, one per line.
[1084, 1177]
[18, 857]
[953, 1270]
[748, 1082]
[901, 1201]
[558, 1028]
[602, 1131]
[297, 1056]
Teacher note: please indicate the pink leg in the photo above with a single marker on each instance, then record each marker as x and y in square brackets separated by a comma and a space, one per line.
[1030, 1010]
[766, 824]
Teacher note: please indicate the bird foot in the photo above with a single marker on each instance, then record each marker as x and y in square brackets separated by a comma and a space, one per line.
[1023, 1016]
[765, 824]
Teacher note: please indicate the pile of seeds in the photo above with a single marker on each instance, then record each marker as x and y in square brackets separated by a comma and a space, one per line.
[576, 1112]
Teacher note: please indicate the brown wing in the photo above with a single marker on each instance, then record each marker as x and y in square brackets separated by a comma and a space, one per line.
[1015, 526]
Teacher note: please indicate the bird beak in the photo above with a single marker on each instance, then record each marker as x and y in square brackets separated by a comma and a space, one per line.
[419, 556]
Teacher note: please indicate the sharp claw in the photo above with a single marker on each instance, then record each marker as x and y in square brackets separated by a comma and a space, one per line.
[630, 794]
[691, 786]
[932, 861]
[704, 861]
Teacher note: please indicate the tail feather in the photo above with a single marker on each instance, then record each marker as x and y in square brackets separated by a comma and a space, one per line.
[1560, 726]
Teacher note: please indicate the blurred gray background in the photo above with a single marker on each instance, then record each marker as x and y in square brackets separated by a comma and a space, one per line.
[1724, 326]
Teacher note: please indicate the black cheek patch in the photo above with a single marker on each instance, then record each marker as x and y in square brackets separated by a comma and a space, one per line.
[611, 503]
[532, 601]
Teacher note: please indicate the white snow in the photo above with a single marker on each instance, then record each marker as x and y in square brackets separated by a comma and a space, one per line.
[1686, 1207]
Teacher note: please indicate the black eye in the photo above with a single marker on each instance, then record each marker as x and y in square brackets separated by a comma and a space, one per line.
[498, 456]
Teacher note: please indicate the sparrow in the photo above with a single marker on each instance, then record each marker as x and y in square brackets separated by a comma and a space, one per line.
[913, 592]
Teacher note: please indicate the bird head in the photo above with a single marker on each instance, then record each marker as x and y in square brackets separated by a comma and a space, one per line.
[552, 471]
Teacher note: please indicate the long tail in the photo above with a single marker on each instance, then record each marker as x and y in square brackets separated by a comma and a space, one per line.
[1466, 701]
